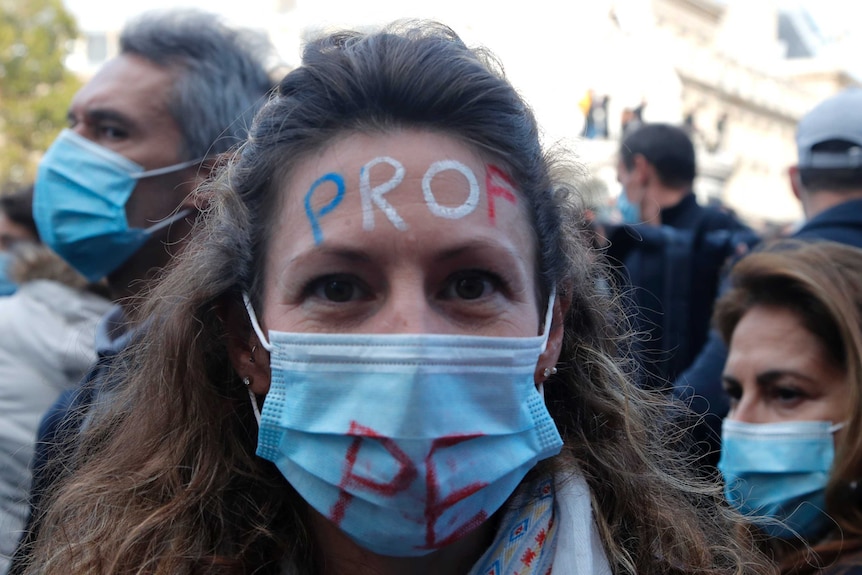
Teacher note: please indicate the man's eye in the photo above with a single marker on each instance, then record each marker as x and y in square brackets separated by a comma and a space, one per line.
[113, 132]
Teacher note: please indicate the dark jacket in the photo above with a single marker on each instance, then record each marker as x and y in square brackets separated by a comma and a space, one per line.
[58, 431]
[671, 273]
[700, 384]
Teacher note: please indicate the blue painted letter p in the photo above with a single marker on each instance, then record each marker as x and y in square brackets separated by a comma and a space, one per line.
[312, 215]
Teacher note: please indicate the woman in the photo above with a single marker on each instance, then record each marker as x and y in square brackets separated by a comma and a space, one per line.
[390, 268]
[791, 446]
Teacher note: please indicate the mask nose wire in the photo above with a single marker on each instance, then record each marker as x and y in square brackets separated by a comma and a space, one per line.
[252, 316]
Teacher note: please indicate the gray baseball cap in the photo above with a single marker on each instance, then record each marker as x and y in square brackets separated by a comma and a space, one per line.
[836, 118]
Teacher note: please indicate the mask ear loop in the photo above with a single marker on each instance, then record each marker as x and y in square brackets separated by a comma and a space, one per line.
[263, 341]
[546, 332]
[254, 323]
[168, 221]
[836, 426]
[167, 169]
[254, 407]
[549, 316]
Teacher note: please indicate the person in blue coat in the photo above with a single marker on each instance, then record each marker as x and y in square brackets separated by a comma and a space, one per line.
[827, 181]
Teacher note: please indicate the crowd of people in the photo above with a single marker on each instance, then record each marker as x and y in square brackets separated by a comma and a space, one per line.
[258, 352]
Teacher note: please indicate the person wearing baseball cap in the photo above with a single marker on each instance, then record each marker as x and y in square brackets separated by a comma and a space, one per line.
[827, 181]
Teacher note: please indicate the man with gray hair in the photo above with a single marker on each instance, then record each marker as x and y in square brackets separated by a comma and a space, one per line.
[113, 192]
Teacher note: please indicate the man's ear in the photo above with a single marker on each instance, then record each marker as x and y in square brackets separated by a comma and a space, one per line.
[646, 176]
[549, 358]
[247, 355]
[802, 193]
[642, 171]
[199, 198]
[795, 182]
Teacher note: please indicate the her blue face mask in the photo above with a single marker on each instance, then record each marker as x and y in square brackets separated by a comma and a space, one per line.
[407, 442]
[779, 471]
[79, 204]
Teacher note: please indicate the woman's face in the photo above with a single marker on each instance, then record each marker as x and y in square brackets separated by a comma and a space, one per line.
[406, 232]
[777, 371]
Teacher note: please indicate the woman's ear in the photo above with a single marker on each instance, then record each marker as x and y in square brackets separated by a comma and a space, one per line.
[247, 355]
[546, 365]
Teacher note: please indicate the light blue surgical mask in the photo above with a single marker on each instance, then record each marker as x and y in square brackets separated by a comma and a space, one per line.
[629, 212]
[406, 442]
[779, 471]
[79, 204]
[7, 286]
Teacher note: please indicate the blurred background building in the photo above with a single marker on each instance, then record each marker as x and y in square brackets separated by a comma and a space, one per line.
[737, 74]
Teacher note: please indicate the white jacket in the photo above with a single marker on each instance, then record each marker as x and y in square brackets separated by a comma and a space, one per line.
[47, 332]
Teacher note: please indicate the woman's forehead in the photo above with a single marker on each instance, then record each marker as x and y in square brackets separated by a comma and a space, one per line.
[388, 180]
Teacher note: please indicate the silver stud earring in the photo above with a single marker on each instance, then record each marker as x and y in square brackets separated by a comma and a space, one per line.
[246, 381]
[549, 371]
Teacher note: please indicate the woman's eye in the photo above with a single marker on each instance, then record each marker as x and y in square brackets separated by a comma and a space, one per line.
[338, 290]
[471, 286]
[787, 394]
[733, 392]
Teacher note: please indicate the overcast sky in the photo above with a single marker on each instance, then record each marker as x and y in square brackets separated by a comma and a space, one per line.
[538, 33]
[834, 17]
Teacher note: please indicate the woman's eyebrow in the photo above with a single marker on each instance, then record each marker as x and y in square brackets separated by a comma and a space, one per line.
[729, 380]
[775, 375]
[347, 254]
[477, 245]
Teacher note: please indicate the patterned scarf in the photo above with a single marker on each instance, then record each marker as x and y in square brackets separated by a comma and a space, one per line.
[547, 528]
[527, 536]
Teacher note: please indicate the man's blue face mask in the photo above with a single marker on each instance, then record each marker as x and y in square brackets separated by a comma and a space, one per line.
[629, 212]
[79, 204]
